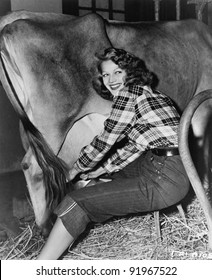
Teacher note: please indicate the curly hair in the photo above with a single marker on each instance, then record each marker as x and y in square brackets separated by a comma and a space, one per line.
[136, 71]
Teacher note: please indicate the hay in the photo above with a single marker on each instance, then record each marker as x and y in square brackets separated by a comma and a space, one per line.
[25, 246]
[131, 238]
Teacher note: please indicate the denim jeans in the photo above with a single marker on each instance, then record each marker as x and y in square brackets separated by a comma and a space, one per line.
[149, 183]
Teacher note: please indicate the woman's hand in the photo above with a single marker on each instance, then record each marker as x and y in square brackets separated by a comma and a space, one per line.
[93, 174]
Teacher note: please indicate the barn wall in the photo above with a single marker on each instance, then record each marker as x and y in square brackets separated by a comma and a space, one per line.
[5, 7]
[37, 5]
[11, 151]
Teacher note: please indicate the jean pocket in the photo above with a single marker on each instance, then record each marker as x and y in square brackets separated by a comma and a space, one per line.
[158, 162]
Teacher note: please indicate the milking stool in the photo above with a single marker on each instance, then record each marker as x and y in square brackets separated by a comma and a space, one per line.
[157, 220]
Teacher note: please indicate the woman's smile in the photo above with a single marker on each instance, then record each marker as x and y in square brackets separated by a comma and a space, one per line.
[115, 86]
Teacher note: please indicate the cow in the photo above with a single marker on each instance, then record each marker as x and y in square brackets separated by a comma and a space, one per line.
[48, 63]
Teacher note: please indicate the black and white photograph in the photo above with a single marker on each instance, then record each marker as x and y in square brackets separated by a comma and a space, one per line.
[106, 131]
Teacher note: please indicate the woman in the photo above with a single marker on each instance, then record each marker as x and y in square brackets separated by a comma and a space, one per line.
[146, 170]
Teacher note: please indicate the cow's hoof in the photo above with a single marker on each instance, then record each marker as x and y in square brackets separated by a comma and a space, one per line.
[47, 227]
[45, 231]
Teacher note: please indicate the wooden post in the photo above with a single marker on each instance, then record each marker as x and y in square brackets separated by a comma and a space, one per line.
[177, 9]
[199, 6]
[157, 9]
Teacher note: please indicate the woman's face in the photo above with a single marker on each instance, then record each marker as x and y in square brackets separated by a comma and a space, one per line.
[113, 76]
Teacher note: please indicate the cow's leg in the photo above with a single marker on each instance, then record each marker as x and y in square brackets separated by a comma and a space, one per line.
[200, 141]
[208, 158]
[187, 159]
[34, 178]
[24, 139]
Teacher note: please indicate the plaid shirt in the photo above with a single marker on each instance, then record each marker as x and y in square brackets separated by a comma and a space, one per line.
[148, 120]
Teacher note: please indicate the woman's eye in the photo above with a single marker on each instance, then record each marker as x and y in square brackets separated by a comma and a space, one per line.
[118, 72]
[104, 75]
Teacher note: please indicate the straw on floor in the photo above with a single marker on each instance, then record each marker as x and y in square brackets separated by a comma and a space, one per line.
[132, 238]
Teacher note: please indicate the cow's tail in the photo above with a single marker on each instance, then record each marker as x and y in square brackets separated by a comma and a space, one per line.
[187, 159]
[54, 170]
